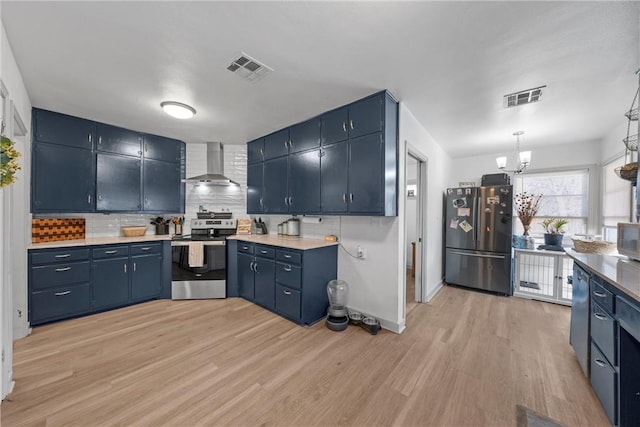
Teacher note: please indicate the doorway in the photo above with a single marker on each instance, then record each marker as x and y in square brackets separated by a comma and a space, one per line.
[415, 196]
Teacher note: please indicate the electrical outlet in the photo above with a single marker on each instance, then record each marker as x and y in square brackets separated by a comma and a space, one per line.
[360, 252]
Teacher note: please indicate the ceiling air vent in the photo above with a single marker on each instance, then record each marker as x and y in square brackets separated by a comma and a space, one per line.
[248, 68]
[523, 97]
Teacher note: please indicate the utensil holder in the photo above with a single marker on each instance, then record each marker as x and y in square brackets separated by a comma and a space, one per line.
[178, 229]
[162, 228]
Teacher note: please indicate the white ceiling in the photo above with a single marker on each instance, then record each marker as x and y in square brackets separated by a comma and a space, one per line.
[449, 62]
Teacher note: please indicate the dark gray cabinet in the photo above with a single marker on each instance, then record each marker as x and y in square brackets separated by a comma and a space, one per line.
[161, 148]
[289, 282]
[112, 139]
[254, 187]
[62, 179]
[354, 173]
[67, 282]
[162, 187]
[61, 129]
[117, 183]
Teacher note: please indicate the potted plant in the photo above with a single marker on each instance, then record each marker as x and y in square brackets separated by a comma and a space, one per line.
[8, 162]
[554, 230]
[527, 208]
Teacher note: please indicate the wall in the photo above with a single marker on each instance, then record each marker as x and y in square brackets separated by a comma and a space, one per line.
[17, 196]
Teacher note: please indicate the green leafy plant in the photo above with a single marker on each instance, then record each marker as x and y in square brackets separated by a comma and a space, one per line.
[554, 225]
[8, 162]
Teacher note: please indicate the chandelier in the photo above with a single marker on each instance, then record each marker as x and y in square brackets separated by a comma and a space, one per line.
[524, 158]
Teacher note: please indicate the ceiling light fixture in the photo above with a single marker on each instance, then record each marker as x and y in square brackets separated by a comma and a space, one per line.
[178, 109]
[524, 157]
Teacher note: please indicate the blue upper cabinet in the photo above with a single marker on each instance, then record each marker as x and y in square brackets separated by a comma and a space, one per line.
[304, 182]
[305, 136]
[275, 193]
[112, 139]
[276, 144]
[254, 188]
[365, 116]
[62, 179]
[56, 128]
[334, 126]
[255, 151]
[334, 169]
[365, 169]
[161, 148]
[162, 187]
[117, 183]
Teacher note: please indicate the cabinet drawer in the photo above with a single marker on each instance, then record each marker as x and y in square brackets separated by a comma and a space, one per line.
[49, 276]
[288, 302]
[603, 332]
[629, 317]
[604, 382]
[245, 248]
[288, 275]
[602, 296]
[289, 257]
[63, 255]
[264, 251]
[110, 252]
[60, 302]
[146, 248]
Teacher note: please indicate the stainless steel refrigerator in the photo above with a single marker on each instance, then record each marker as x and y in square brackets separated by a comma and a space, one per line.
[478, 237]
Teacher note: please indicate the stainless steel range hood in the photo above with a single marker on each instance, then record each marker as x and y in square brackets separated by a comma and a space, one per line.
[215, 168]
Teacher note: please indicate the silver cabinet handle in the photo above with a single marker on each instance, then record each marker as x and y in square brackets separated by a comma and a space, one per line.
[344, 127]
[263, 252]
[600, 363]
[245, 248]
[146, 248]
[344, 197]
[255, 267]
[351, 124]
[286, 201]
[146, 148]
[287, 256]
[599, 294]
[110, 252]
[286, 292]
[99, 140]
[286, 146]
[63, 256]
[125, 268]
[290, 144]
[351, 197]
[261, 152]
[287, 268]
[290, 201]
[251, 266]
[89, 198]
[90, 138]
[59, 294]
[134, 266]
[600, 316]
[60, 270]
[261, 201]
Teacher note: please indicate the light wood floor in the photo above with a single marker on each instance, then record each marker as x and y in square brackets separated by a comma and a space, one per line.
[466, 359]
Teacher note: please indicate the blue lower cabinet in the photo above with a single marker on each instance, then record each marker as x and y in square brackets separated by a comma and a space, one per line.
[60, 303]
[288, 302]
[246, 276]
[264, 284]
[110, 282]
[146, 276]
[604, 380]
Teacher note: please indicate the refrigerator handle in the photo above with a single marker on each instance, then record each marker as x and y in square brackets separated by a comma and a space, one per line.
[476, 208]
[479, 255]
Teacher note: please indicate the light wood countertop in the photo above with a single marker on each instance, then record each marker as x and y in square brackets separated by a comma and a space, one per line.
[99, 241]
[621, 272]
[291, 242]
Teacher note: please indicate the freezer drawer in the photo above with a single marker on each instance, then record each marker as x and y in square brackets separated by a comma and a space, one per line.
[488, 271]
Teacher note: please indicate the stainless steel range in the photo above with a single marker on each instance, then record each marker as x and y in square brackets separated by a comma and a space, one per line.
[199, 259]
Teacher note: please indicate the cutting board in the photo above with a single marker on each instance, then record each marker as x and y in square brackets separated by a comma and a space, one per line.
[57, 229]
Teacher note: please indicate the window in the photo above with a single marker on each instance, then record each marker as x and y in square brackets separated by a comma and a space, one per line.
[616, 199]
[565, 194]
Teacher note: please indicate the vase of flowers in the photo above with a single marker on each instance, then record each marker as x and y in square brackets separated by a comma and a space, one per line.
[8, 162]
[527, 207]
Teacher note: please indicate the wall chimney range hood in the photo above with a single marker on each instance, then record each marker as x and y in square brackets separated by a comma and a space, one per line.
[215, 168]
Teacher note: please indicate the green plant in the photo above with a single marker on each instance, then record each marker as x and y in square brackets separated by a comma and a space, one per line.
[8, 162]
[554, 225]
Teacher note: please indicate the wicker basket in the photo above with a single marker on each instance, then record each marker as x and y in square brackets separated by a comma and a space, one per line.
[134, 231]
[593, 246]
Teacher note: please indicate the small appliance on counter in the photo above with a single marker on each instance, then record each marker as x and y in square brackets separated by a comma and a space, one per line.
[628, 243]
[293, 227]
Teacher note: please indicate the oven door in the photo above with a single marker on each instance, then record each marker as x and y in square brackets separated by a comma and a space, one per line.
[203, 282]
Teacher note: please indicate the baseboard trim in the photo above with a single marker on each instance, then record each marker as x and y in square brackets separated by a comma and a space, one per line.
[384, 323]
[434, 291]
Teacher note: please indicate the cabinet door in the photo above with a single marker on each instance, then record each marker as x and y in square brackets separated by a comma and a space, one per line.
[305, 136]
[161, 186]
[304, 182]
[276, 144]
[333, 178]
[110, 282]
[265, 283]
[117, 183]
[61, 129]
[245, 276]
[62, 179]
[365, 116]
[161, 148]
[275, 195]
[334, 126]
[117, 140]
[255, 151]
[146, 276]
[254, 188]
[365, 174]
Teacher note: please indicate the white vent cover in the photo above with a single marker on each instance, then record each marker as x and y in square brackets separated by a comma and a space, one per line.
[523, 97]
[248, 68]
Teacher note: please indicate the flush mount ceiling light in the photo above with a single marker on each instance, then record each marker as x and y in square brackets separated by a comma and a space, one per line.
[178, 109]
[524, 158]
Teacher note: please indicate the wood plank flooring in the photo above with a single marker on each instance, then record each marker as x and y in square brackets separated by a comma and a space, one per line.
[466, 359]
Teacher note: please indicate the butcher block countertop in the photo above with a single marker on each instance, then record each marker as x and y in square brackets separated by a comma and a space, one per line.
[99, 241]
[621, 272]
[291, 242]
